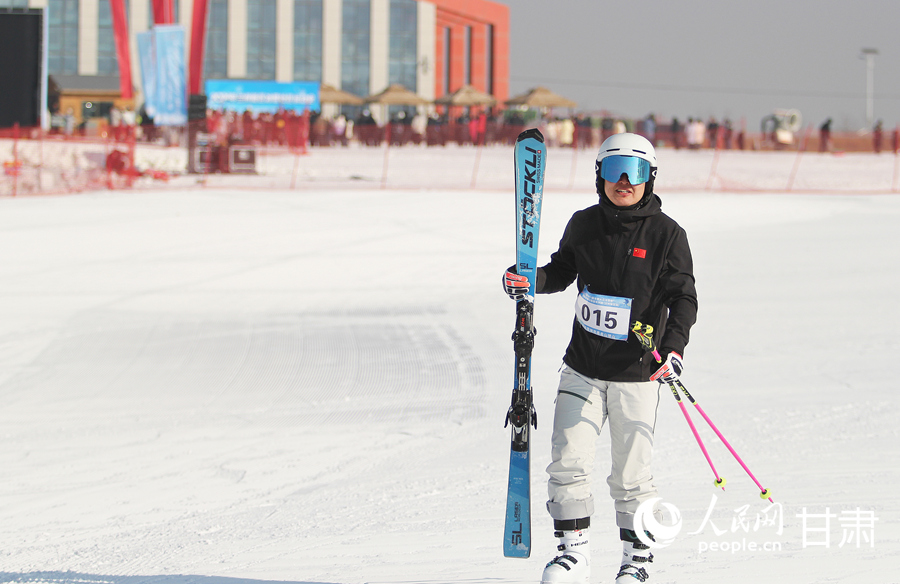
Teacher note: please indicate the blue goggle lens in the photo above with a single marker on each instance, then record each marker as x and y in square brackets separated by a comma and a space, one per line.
[613, 167]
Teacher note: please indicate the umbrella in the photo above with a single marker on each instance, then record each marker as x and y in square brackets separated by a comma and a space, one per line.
[466, 96]
[541, 97]
[331, 94]
[397, 95]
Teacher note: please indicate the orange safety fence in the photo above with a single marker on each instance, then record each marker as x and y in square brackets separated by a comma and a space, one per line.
[292, 155]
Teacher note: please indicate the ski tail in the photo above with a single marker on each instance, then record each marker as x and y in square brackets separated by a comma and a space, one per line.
[517, 540]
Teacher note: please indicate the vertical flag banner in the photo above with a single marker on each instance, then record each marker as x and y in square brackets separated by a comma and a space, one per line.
[161, 53]
[120, 31]
[198, 44]
[147, 62]
[163, 11]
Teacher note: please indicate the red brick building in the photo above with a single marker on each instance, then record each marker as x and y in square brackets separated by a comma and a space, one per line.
[472, 46]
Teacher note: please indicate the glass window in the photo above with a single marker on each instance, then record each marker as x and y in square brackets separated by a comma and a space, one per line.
[215, 59]
[308, 40]
[13, 3]
[107, 62]
[402, 60]
[402, 52]
[261, 18]
[355, 50]
[446, 59]
[62, 46]
[489, 50]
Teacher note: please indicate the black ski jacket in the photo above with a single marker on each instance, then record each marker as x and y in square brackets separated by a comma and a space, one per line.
[640, 254]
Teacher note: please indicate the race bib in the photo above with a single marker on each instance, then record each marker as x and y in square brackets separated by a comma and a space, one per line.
[605, 316]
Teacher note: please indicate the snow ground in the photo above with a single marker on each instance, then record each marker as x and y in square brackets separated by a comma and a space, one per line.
[231, 386]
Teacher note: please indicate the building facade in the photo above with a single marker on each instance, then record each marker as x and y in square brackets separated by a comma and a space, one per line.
[430, 46]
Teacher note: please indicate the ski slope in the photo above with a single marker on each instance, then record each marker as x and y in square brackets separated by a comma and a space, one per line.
[229, 386]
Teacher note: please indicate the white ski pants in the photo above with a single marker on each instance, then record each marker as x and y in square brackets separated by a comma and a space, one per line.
[583, 406]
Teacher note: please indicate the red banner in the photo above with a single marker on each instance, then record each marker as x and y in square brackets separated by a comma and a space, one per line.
[157, 11]
[163, 12]
[198, 43]
[120, 32]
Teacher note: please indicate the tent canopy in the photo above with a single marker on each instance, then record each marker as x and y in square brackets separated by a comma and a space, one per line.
[331, 94]
[541, 97]
[466, 96]
[396, 94]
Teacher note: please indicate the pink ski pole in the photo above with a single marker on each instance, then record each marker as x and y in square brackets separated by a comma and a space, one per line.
[644, 335]
[764, 492]
[720, 482]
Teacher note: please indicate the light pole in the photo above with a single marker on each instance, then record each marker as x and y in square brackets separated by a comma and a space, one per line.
[869, 54]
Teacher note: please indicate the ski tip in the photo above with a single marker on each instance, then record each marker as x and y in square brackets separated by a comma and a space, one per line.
[531, 133]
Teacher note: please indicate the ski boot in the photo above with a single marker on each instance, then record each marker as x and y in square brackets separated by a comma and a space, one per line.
[635, 554]
[573, 564]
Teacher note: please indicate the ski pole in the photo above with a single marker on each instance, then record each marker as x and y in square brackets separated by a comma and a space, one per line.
[644, 334]
[763, 492]
[720, 482]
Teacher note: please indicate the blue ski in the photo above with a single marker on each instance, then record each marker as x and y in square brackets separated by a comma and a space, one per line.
[530, 160]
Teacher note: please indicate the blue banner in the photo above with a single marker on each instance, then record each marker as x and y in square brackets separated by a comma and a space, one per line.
[147, 61]
[172, 76]
[161, 54]
[238, 95]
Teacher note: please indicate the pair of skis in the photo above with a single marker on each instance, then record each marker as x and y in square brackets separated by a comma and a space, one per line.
[530, 160]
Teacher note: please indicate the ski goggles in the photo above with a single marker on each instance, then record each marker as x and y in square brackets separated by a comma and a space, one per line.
[613, 167]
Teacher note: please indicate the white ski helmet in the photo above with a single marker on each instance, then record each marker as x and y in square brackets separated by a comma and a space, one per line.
[630, 154]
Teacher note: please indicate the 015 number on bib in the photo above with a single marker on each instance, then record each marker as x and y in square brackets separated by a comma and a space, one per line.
[605, 316]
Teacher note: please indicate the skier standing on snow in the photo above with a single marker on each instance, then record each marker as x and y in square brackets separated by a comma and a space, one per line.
[631, 262]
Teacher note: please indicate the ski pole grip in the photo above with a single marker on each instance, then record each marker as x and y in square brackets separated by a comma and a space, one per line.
[644, 333]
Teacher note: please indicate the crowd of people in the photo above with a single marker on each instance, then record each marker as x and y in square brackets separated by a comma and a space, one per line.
[287, 128]
[436, 129]
[485, 127]
[281, 128]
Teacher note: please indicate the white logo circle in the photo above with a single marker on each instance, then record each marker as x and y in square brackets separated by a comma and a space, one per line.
[645, 520]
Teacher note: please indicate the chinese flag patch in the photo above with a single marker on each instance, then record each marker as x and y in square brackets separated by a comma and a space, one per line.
[639, 253]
